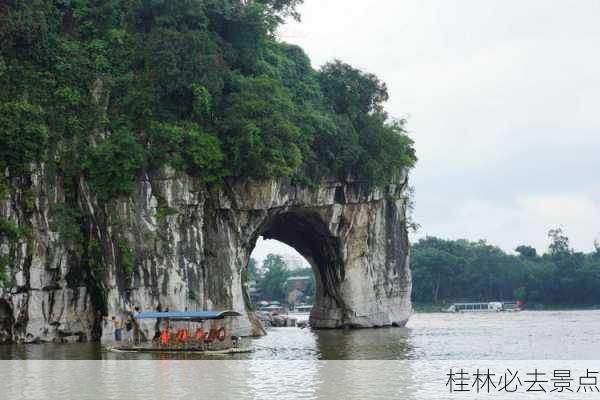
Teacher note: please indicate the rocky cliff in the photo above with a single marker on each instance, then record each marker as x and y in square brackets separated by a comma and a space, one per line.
[174, 244]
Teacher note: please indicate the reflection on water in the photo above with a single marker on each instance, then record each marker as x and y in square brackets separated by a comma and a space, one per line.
[487, 336]
[261, 379]
[377, 344]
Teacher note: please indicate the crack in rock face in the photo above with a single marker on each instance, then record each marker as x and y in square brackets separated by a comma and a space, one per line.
[174, 245]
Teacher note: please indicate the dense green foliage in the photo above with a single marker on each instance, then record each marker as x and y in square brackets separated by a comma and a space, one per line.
[10, 234]
[272, 281]
[447, 271]
[23, 134]
[271, 278]
[112, 165]
[107, 88]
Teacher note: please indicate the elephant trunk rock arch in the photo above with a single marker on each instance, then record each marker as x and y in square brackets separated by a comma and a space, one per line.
[176, 245]
[355, 240]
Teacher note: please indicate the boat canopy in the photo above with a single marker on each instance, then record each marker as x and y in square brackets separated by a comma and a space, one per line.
[188, 315]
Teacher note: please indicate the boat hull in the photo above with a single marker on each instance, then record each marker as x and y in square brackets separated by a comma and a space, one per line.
[178, 351]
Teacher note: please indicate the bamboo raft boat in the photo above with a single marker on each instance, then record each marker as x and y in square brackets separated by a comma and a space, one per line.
[215, 341]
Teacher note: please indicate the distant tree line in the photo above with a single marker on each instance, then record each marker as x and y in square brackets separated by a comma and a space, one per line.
[448, 271]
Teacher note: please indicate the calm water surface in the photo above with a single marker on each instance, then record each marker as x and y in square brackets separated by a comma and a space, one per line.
[528, 335]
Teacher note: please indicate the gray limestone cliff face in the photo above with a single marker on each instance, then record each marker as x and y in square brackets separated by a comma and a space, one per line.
[174, 244]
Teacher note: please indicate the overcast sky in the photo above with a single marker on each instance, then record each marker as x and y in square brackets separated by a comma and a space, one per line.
[502, 100]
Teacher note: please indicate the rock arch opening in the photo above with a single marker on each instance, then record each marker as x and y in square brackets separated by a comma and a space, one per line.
[305, 232]
[273, 269]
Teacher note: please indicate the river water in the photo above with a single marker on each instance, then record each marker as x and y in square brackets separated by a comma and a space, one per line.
[527, 335]
[414, 362]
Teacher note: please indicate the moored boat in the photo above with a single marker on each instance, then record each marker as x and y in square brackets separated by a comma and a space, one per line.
[205, 351]
[303, 309]
[493, 306]
[184, 332]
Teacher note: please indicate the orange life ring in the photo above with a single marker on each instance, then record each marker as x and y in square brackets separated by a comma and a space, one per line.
[221, 334]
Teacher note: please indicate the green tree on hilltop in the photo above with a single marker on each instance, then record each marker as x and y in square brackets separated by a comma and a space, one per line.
[527, 251]
[107, 89]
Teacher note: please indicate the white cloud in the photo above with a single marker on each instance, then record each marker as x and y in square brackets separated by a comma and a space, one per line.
[524, 220]
[502, 98]
[264, 247]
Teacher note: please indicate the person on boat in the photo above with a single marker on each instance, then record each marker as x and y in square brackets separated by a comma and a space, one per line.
[129, 328]
[176, 325]
[182, 335]
[156, 337]
[157, 325]
[136, 333]
[165, 334]
[118, 329]
[200, 334]
[212, 334]
[164, 337]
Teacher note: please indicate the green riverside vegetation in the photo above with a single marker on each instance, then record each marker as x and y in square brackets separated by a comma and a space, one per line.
[448, 271]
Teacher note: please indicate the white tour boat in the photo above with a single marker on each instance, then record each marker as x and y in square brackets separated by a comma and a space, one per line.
[493, 306]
